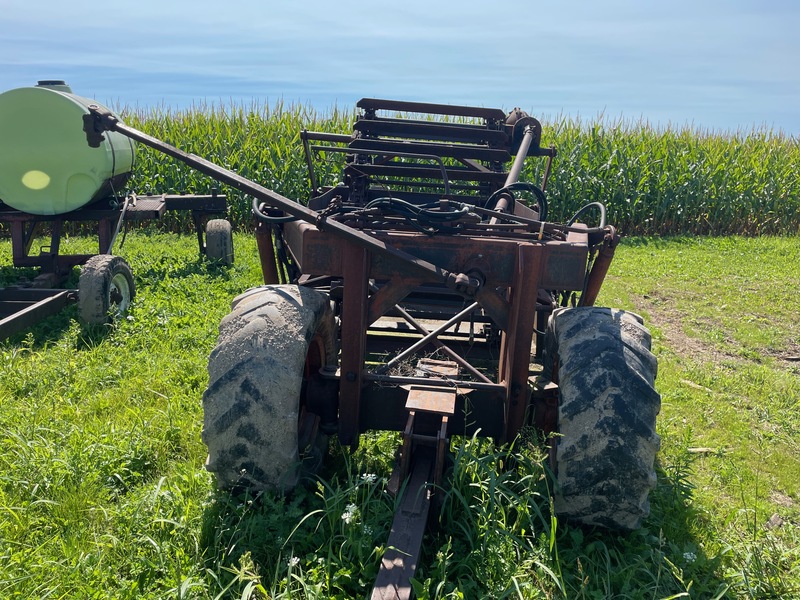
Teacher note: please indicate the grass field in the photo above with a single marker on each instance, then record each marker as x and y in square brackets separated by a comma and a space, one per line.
[103, 493]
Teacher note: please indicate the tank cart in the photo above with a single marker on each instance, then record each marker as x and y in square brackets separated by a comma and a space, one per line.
[49, 177]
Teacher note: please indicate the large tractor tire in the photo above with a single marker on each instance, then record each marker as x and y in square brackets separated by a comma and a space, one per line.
[105, 289]
[273, 342]
[606, 443]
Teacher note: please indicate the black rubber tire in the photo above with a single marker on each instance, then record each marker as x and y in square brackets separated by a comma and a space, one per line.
[219, 242]
[256, 373]
[604, 459]
[105, 289]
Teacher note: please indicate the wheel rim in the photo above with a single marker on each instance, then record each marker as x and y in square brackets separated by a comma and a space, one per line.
[315, 357]
[119, 294]
[308, 422]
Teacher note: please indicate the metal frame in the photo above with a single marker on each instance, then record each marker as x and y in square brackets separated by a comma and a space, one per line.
[25, 305]
[519, 267]
[399, 290]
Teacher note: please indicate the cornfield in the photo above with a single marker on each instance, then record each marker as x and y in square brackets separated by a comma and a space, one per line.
[654, 181]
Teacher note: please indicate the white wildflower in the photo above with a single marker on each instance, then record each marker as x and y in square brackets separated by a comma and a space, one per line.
[369, 478]
[292, 562]
[349, 513]
[689, 557]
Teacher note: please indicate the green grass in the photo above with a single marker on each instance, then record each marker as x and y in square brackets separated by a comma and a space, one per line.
[735, 350]
[103, 493]
[654, 181]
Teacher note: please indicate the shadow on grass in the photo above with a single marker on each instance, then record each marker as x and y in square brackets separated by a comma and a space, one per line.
[160, 271]
[51, 328]
[10, 276]
[55, 327]
[494, 532]
[658, 242]
[319, 541]
[46, 331]
[243, 528]
[661, 559]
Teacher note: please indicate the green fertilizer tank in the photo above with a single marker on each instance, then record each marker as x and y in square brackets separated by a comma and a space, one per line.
[46, 165]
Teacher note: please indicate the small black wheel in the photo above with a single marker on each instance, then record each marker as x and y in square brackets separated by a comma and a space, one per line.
[219, 242]
[259, 408]
[606, 444]
[105, 289]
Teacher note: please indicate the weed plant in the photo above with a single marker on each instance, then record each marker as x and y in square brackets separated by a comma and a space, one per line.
[103, 492]
[654, 181]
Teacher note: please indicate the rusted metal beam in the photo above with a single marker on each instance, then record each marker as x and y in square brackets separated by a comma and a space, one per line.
[461, 151]
[432, 130]
[266, 252]
[516, 345]
[436, 342]
[354, 340]
[400, 560]
[459, 384]
[424, 445]
[373, 104]
[600, 268]
[27, 312]
[411, 170]
[388, 295]
[426, 339]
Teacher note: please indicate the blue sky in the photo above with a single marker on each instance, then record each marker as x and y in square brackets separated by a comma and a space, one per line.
[709, 64]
